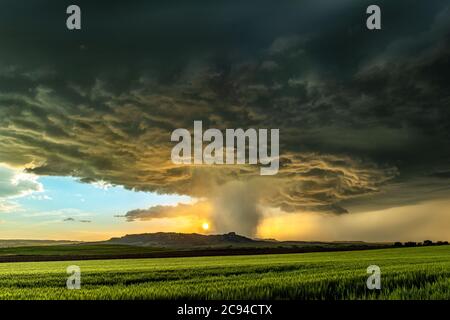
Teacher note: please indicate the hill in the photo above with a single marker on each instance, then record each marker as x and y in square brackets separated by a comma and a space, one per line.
[169, 244]
[35, 243]
[173, 239]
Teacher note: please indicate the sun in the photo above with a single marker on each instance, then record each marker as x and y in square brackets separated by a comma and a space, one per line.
[205, 226]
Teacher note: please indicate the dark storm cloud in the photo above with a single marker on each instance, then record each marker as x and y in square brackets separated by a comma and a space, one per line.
[400, 193]
[156, 212]
[357, 110]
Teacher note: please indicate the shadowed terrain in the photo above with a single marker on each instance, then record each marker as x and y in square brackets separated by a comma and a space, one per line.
[171, 244]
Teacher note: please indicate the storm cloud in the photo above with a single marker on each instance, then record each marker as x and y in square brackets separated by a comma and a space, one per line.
[358, 111]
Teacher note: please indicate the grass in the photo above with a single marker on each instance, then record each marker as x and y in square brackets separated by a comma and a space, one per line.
[78, 249]
[406, 273]
[121, 249]
[26, 243]
[91, 251]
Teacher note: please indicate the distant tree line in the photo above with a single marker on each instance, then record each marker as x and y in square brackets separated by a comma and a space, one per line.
[420, 244]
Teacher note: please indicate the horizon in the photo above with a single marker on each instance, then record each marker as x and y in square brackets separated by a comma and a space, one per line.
[360, 120]
[218, 234]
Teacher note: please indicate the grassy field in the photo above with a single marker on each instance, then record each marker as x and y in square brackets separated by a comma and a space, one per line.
[407, 273]
[104, 251]
[78, 249]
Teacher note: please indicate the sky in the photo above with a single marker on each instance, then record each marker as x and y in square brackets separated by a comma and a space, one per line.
[86, 118]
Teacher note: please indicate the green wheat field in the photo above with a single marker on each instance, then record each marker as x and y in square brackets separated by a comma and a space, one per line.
[406, 273]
